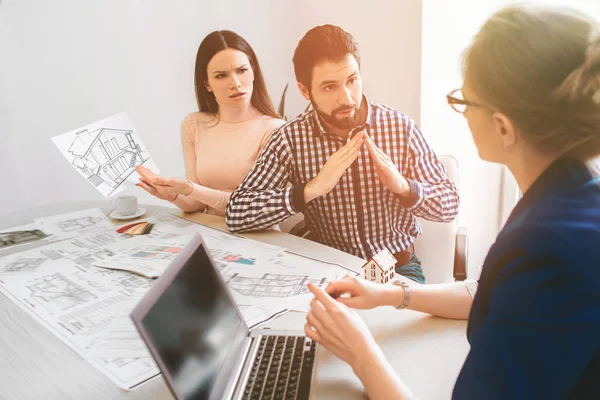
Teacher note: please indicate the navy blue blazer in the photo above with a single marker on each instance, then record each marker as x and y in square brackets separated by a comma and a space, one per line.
[534, 327]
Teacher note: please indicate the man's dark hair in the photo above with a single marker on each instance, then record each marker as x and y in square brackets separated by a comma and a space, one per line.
[322, 43]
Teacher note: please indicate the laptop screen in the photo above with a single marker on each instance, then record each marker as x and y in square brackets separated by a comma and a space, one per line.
[193, 324]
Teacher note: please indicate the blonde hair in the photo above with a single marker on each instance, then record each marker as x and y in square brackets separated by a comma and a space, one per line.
[541, 68]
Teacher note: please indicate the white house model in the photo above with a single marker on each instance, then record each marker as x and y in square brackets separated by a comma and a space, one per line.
[380, 268]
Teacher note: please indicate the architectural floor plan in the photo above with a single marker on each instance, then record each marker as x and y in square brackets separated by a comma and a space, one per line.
[57, 291]
[272, 285]
[78, 223]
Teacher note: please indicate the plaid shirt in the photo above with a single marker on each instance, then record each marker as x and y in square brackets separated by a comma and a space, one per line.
[359, 216]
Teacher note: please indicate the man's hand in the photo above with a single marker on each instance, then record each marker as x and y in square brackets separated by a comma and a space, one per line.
[388, 174]
[334, 168]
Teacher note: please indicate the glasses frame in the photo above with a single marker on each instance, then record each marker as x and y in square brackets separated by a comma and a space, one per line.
[452, 101]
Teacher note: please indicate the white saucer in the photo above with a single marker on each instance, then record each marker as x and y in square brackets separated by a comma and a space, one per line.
[116, 215]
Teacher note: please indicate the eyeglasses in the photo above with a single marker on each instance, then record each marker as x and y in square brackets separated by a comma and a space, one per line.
[459, 104]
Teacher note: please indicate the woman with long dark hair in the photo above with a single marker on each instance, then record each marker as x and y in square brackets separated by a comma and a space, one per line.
[220, 142]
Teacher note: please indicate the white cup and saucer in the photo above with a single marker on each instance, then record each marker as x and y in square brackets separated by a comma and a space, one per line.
[127, 208]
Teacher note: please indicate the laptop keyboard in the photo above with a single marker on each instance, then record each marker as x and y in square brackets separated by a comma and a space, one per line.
[282, 369]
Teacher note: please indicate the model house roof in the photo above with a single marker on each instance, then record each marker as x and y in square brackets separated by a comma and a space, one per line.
[384, 260]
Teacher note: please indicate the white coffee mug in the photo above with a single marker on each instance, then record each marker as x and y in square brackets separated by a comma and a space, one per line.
[126, 205]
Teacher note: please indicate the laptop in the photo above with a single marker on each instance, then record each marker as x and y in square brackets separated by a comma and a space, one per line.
[204, 349]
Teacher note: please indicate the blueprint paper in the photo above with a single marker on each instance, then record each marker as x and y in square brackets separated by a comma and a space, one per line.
[259, 274]
[282, 281]
[84, 306]
[81, 252]
[274, 289]
[150, 255]
[244, 251]
[147, 257]
[122, 339]
[127, 373]
[105, 153]
[92, 223]
[4, 251]
[22, 235]
[64, 226]
[225, 248]
[170, 225]
[77, 304]
[256, 315]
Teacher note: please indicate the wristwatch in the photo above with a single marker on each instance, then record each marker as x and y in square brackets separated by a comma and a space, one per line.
[406, 294]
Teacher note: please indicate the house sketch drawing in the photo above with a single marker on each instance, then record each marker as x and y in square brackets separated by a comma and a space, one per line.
[57, 291]
[24, 264]
[106, 156]
[272, 285]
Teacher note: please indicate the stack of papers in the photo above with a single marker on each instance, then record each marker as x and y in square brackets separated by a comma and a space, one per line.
[83, 285]
[145, 257]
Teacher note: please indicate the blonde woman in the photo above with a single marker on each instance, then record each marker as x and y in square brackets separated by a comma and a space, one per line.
[221, 141]
[531, 96]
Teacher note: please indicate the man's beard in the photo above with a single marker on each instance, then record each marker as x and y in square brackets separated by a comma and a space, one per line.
[349, 122]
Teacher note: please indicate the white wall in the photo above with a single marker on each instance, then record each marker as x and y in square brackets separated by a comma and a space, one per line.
[447, 29]
[66, 63]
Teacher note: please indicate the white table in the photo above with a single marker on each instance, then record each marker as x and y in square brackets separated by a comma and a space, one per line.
[427, 352]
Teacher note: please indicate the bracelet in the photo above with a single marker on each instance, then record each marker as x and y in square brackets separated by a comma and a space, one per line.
[406, 289]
